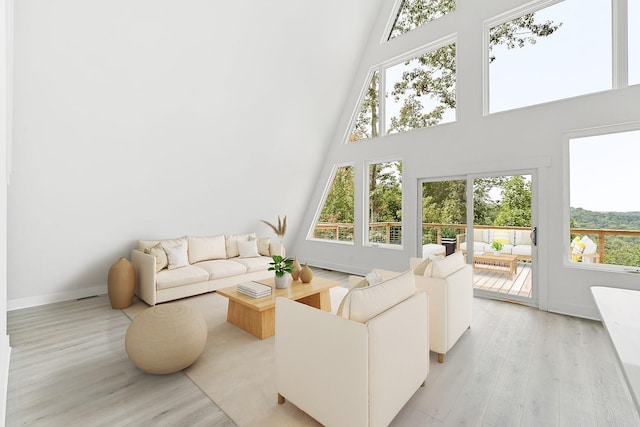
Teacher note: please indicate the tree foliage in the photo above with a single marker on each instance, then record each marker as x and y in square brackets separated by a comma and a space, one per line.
[338, 206]
[427, 88]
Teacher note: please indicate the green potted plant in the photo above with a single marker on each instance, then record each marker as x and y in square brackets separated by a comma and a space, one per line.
[497, 247]
[282, 268]
[448, 239]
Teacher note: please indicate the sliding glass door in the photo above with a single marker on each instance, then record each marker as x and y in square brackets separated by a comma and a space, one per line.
[495, 230]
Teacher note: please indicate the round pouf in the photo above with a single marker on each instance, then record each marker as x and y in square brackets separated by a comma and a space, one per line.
[166, 338]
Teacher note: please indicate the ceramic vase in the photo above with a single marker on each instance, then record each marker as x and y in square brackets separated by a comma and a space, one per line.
[306, 275]
[295, 274]
[121, 283]
[283, 282]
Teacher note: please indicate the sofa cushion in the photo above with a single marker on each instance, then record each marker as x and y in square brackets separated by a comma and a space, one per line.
[180, 277]
[177, 255]
[206, 248]
[442, 268]
[521, 250]
[260, 263]
[367, 302]
[231, 243]
[248, 248]
[147, 244]
[219, 268]
[264, 244]
[161, 256]
[523, 237]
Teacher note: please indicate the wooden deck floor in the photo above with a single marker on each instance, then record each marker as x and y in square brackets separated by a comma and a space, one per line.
[494, 281]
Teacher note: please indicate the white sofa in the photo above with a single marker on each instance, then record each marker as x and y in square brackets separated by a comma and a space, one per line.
[356, 371]
[176, 268]
[514, 242]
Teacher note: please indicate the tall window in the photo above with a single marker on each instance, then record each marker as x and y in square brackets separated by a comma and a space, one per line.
[558, 52]
[385, 203]
[413, 13]
[336, 218]
[604, 207]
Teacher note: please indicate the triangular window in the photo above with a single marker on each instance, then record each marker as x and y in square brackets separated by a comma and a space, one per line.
[413, 13]
[367, 123]
[336, 218]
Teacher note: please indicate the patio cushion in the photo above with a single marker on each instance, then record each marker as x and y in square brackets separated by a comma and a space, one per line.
[521, 250]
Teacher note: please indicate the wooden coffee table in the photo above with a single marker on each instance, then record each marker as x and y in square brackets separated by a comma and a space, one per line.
[257, 315]
[502, 263]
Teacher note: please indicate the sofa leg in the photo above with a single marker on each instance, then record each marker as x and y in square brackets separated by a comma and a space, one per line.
[423, 383]
[440, 357]
[281, 399]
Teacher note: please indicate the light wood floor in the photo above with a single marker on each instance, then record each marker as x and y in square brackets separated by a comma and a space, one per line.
[516, 366]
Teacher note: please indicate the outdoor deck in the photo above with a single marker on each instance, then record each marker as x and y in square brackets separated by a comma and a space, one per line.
[499, 282]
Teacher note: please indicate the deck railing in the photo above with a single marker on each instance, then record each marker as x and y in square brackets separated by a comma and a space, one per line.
[391, 232]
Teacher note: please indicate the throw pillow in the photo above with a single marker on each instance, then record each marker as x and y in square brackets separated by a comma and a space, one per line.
[231, 243]
[341, 308]
[422, 267]
[264, 246]
[367, 302]
[206, 248]
[161, 256]
[442, 268]
[501, 236]
[177, 255]
[373, 278]
[248, 249]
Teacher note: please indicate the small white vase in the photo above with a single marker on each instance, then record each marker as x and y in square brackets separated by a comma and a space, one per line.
[284, 281]
[496, 253]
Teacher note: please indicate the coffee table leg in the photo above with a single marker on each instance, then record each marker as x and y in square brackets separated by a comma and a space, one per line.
[261, 324]
[321, 300]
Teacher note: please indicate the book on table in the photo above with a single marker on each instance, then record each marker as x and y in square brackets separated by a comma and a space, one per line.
[254, 289]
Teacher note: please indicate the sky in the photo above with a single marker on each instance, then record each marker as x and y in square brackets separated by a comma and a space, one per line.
[575, 60]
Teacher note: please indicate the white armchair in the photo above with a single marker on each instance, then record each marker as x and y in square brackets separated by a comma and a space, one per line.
[344, 372]
[449, 284]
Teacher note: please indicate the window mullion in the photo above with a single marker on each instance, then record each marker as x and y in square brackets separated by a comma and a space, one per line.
[620, 41]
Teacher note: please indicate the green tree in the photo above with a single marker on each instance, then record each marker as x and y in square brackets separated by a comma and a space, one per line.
[433, 74]
[385, 192]
[515, 206]
[338, 206]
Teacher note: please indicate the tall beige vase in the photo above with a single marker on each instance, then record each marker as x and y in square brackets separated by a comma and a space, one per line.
[306, 275]
[296, 264]
[121, 283]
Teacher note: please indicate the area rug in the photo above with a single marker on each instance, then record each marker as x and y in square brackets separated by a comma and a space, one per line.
[236, 370]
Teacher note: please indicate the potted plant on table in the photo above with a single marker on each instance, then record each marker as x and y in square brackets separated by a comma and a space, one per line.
[497, 247]
[282, 268]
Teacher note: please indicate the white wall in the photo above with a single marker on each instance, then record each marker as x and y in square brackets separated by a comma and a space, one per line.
[5, 97]
[526, 138]
[155, 119]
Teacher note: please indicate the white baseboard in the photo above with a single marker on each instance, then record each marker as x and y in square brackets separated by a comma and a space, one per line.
[5, 358]
[575, 310]
[18, 303]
